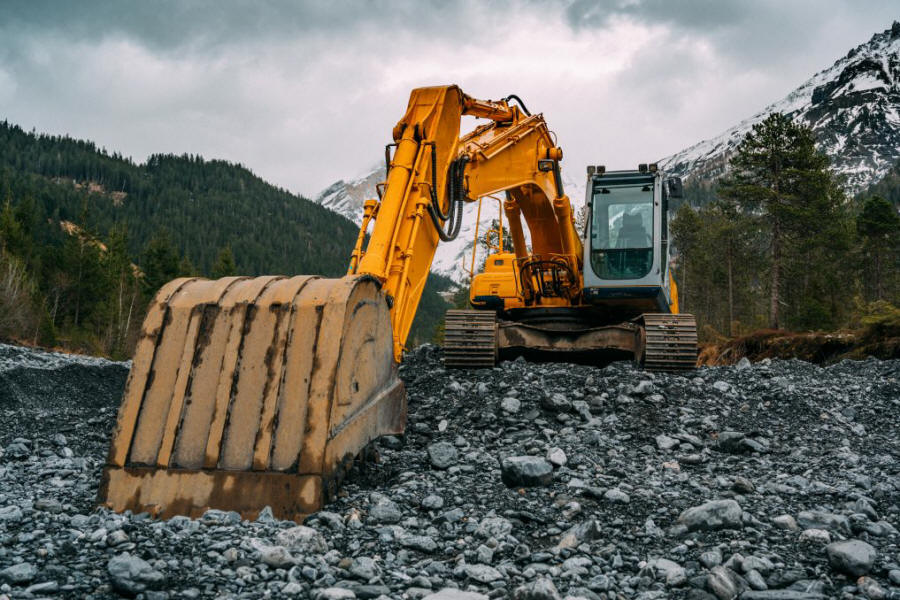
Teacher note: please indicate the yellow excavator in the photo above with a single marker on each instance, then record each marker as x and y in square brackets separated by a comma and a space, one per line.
[253, 392]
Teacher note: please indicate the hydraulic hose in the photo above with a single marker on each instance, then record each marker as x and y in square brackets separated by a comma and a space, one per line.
[456, 197]
[519, 101]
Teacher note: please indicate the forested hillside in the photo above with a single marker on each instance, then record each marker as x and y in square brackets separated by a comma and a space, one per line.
[87, 236]
[779, 244]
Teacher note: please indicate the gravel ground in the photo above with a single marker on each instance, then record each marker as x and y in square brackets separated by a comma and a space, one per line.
[775, 480]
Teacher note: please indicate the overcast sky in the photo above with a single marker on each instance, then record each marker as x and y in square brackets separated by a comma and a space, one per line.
[305, 93]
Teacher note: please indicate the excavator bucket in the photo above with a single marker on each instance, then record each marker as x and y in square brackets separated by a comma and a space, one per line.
[253, 392]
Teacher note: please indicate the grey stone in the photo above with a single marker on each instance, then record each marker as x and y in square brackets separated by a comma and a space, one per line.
[133, 575]
[510, 405]
[723, 583]
[334, 593]
[23, 572]
[526, 471]
[432, 502]
[673, 573]
[442, 455]
[713, 515]
[853, 557]
[556, 403]
[364, 567]
[483, 573]
[617, 496]
[539, 589]
[814, 519]
[422, 543]
[494, 527]
[385, 511]
[664, 442]
[557, 457]
[781, 595]
[10, 514]
[455, 594]
[785, 522]
[302, 539]
[711, 558]
[815, 536]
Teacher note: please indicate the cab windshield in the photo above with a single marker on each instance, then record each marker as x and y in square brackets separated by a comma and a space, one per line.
[622, 231]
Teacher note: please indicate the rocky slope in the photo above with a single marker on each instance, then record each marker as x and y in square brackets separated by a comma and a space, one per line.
[452, 259]
[853, 106]
[774, 480]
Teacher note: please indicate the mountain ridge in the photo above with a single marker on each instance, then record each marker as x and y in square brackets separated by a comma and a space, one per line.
[852, 106]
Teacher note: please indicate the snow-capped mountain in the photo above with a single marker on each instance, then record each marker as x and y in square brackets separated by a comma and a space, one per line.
[452, 259]
[853, 107]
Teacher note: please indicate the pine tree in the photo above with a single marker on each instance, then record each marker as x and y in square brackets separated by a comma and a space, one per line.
[224, 265]
[878, 228]
[778, 174]
[160, 262]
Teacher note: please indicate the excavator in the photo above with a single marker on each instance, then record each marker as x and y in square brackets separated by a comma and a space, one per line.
[247, 392]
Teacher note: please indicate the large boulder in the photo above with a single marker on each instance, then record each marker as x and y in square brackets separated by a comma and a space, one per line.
[713, 515]
[131, 575]
[852, 557]
[525, 471]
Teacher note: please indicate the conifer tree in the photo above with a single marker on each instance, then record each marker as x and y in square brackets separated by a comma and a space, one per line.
[224, 265]
[778, 174]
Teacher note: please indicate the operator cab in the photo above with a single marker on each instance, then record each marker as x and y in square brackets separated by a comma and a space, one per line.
[626, 251]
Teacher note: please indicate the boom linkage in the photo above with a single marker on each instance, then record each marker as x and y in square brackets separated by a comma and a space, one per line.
[433, 171]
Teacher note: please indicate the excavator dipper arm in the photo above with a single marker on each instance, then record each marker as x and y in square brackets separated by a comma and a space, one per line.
[254, 392]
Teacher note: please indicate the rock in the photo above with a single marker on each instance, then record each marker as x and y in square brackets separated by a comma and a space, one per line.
[10, 514]
[432, 502]
[539, 589]
[871, 589]
[721, 386]
[385, 511]
[364, 568]
[334, 593]
[442, 455]
[852, 557]
[781, 595]
[786, 522]
[483, 573]
[814, 519]
[731, 441]
[48, 505]
[302, 540]
[525, 471]
[742, 485]
[664, 442]
[422, 543]
[755, 580]
[815, 536]
[556, 403]
[43, 588]
[711, 558]
[894, 576]
[673, 573]
[711, 516]
[17, 450]
[557, 457]
[510, 405]
[723, 583]
[494, 527]
[743, 364]
[274, 556]
[133, 575]
[18, 574]
[455, 594]
[617, 496]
